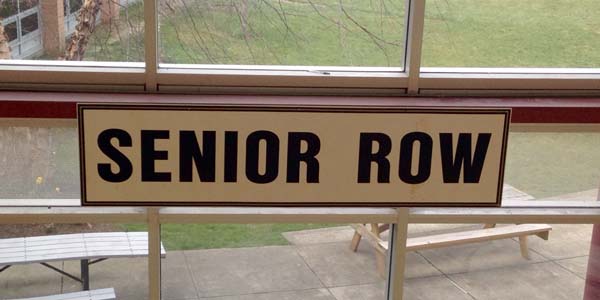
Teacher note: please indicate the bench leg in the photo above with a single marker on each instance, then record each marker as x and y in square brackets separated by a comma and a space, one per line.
[355, 241]
[379, 253]
[85, 274]
[544, 235]
[380, 263]
[523, 245]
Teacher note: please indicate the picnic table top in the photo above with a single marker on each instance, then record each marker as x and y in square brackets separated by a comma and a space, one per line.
[36, 249]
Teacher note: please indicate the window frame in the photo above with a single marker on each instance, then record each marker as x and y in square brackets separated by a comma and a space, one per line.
[411, 80]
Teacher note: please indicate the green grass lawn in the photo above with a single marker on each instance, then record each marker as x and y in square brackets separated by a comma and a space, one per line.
[458, 33]
[206, 236]
[550, 164]
[318, 32]
[119, 40]
[512, 33]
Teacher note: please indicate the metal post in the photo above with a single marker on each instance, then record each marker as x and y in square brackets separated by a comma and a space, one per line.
[397, 256]
[85, 274]
[592, 278]
[153, 254]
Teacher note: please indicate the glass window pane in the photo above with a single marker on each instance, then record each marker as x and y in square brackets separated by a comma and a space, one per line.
[553, 166]
[8, 8]
[27, 4]
[267, 261]
[511, 33]
[271, 32]
[113, 33]
[120, 38]
[29, 24]
[38, 162]
[11, 31]
[75, 5]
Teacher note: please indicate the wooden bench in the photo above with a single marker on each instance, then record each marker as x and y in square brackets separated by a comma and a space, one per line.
[89, 248]
[100, 294]
[448, 239]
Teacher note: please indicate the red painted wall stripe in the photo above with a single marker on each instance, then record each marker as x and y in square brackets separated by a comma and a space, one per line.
[525, 110]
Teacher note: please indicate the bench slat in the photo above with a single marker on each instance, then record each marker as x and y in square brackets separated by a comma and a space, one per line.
[100, 294]
[74, 246]
[11, 250]
[471, 236]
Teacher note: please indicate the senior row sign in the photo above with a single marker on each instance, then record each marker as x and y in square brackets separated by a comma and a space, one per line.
[291, 156]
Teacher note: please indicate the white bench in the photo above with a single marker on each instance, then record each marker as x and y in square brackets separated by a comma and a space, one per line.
[89, 248]
[100, 294]
[449, 239]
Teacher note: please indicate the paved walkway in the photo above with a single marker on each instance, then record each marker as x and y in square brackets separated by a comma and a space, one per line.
[319, 265]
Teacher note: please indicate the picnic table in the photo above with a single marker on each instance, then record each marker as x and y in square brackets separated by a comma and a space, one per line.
[89, 248]
[487, 233]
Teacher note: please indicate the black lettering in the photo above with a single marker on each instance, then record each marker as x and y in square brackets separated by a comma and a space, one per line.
[124, 164]
[190, 153]
[294, 156]
[272, 156]
[150, 154]
[453, 163]
[366, 157]
[231, 156]
[406, 157]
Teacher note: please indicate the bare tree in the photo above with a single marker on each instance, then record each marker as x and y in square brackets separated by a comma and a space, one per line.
[111, 30]
[265, 26]
[269, 26]
[86, 24]
[4, 48]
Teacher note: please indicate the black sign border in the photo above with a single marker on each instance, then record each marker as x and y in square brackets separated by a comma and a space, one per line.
[81, 107]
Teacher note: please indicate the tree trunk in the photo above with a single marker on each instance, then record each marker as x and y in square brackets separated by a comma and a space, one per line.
[86, 23]
[4, 48]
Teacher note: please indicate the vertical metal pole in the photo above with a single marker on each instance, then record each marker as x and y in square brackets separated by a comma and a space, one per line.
[85, 274]
[415, 10]
[397, 255]
[151, 44]
[153, 253]
[592, 278]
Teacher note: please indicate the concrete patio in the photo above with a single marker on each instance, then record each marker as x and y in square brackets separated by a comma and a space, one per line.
[319, 265]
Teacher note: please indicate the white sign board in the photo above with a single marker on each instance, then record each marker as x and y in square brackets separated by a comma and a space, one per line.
[167, 155]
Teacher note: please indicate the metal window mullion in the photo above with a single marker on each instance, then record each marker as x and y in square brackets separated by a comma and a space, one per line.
[32, 35]
[397, 255]
[29, 12]
[151, 44]
[415, 10]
